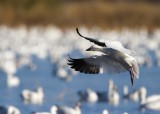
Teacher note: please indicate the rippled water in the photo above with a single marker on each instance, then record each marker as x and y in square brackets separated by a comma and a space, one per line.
[54, 87]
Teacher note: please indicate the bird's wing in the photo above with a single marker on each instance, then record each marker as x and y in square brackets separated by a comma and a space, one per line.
[96, 64]
[110, 44]
[92, 40]
[118, 46]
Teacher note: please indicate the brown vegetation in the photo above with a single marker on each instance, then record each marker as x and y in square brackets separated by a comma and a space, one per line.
[73, 13]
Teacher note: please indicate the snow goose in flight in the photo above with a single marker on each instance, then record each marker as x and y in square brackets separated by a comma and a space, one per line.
[115, 59]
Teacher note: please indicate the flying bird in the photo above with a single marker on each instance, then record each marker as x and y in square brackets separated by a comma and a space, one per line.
[114, 59]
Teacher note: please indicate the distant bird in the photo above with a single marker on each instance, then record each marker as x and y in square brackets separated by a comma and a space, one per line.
[88, 96]
[105, 111]
[41, 113]
[125, 112]
[106, 95]
[12, 80]
[111, 96]
[9, 110]
[115, 59]
[34, 97]
[134, 95]
[68, 110]
[53, 110]
[152, 102]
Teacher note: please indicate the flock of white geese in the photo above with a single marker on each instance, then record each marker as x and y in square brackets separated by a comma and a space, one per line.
[18, 45]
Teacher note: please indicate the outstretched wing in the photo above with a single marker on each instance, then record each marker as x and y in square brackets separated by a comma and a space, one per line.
[110, 44]
[92, 40]
[117, 45]
[96, 64]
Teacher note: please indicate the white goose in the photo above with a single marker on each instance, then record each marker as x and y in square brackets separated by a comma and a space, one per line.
[9, 110]
[34, 97]
[53, 110]
[151, 102]
[88, 95]
[12, 80]
[134, 95]
[113, 97]
[67, 110]
[115, 59]
[105, 111]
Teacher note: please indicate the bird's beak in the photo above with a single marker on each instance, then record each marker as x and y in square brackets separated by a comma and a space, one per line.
[88, 49]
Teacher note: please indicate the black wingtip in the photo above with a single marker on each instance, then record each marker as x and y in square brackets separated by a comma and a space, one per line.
[132, 81]
[131, 76]
[69, 56]
[78, 32]
[70, 60]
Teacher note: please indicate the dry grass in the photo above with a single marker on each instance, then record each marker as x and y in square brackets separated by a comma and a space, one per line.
[72, 14]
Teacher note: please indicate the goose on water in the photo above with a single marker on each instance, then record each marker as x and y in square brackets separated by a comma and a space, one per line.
[115, 59]
[152, 102]
[53, 110]
[68, 110]
[111, 96]
[88, 95]
[134, 95]
[34, 97]
[12, 80]
[105, 111]
[106, 95]
[9, 110]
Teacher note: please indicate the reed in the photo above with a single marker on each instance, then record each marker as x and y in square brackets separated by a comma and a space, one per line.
[105, 14]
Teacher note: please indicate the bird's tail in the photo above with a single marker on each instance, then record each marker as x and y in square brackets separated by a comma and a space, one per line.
[134, 72]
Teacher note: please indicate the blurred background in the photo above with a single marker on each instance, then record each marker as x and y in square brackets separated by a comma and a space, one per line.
[36, 37]
[73, 13]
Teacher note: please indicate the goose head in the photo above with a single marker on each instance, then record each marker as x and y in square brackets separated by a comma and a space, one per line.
[94, 48]
[110, 85]
[90, 48]
[54, 109]
[40, 90]
[78, 105]
[105, 112]
[125, 90]
[142, 93]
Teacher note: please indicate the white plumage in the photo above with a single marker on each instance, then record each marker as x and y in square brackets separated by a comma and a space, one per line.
[53, 110]
[88, 95]
[152, 102]
[134, 95]
[105, 111]
[34, 97]
[12, 80]
[9, 110]
[68, 110]
[112, 96]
